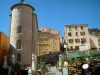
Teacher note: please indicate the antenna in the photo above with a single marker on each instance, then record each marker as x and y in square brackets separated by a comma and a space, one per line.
[21, 1]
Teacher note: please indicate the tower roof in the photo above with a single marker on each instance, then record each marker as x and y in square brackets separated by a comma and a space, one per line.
[23, 5]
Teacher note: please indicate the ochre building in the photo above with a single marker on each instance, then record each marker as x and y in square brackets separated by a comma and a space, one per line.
[3, 47]
[48, 41]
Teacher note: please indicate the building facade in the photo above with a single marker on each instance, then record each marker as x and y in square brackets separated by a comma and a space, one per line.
[77, 36]
[3, 47]
[94, 38]
[23, 33]
[94, 42]
[48, 41]
[61, 40]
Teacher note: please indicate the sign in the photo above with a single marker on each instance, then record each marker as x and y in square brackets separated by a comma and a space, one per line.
[64, 71]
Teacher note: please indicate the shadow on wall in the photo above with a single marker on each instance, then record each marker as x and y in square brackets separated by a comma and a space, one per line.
[49, 58]
[11, 51]
[92, 45]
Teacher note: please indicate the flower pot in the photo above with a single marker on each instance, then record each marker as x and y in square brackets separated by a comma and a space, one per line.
[15, 73]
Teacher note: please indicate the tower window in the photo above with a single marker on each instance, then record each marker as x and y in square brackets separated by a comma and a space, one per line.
[19, 29]
[18, 57]
[18, 44]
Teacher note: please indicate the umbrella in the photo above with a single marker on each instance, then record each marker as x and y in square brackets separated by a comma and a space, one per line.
[5, 62]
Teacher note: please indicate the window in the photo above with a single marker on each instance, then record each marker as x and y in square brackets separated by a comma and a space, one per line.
[45, 47]
[69, 28]
[83, 40]
[77, 47]
[40, 48]
[44, 39]
[53, 43]
[70, 40]
[18, 44]
[76, 33]
[41, 40]
[77, 40]
[82, 33]
[44, 34]
[18, 57]
[45, 52]
[69, 34]
[81, 27]
[40, 34]
[75, 27]
[19, 29]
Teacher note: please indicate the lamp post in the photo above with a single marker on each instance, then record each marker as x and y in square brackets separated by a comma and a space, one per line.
[85, 67]
[60, 62]
[13, 59]
[65, 63]
[65, 50]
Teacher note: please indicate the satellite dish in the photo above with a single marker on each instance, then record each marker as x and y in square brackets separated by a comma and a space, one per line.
[85, 66]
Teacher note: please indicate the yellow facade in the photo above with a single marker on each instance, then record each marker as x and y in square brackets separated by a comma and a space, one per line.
[48, 43]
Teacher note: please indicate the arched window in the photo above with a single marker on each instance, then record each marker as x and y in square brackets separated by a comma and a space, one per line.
[18, 57]
[19, 29]
[18, 44]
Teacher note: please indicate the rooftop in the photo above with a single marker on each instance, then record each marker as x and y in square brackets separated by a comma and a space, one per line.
[73, 25]
[23, 5]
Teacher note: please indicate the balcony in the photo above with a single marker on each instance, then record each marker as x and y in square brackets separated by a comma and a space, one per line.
[43, 43]
[43, 37]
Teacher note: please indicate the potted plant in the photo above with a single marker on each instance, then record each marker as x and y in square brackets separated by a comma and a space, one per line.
[16, 68]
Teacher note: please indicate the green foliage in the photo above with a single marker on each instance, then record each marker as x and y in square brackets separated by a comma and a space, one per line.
[42, 65]
[16, 66]
[96, 31]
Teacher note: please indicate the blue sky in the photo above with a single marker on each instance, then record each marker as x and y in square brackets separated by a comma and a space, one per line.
[56, 13]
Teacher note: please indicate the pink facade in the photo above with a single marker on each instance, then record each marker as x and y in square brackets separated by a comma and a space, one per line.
[51, 31]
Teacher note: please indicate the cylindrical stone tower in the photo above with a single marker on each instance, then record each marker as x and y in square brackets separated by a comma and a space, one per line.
[23, 33]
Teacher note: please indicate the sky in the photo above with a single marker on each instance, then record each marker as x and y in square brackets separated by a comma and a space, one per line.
[55, 14]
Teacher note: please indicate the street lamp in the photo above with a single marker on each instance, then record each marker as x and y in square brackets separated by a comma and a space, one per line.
[85, 67]
[13, 59]
[65, 50]
[65, 63]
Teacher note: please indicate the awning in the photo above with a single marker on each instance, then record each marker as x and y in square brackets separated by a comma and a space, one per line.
[81, 54]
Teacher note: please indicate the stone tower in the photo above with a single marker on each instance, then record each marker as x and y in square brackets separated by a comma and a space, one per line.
[23, 33]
